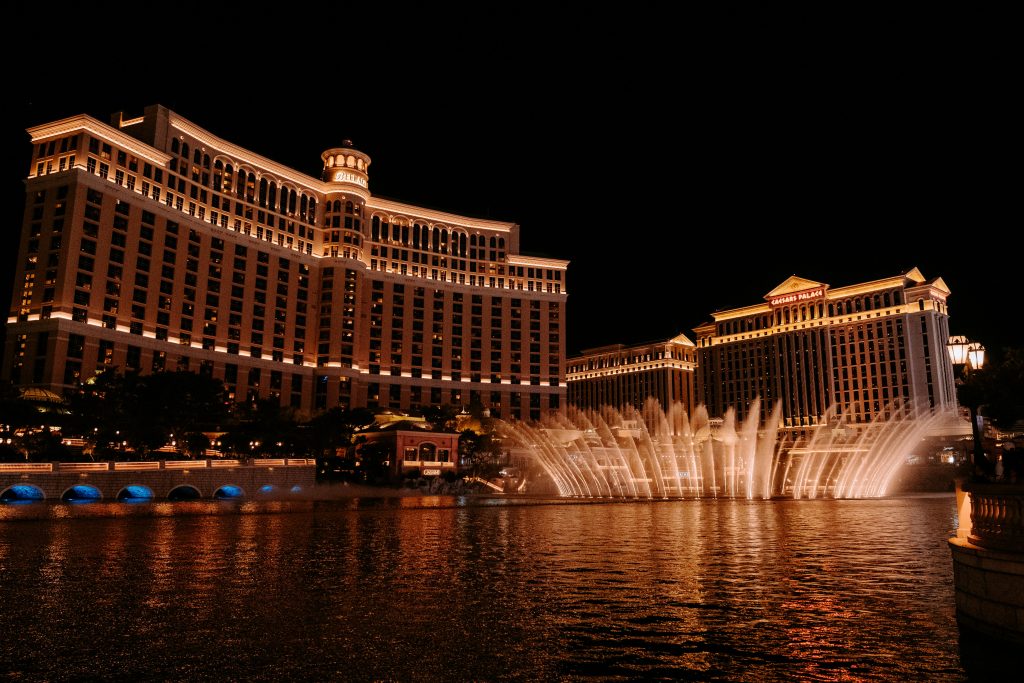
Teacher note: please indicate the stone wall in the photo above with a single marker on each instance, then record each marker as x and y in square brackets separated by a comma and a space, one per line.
[162, 481]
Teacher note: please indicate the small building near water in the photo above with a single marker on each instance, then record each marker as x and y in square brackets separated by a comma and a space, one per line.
[414, 447]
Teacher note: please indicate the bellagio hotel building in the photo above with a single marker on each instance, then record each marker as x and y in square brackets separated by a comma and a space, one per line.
[152, 244]
[853, 352]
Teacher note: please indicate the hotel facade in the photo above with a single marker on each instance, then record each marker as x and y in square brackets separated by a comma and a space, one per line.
[620, 376]
[152, 244]
[854, 352]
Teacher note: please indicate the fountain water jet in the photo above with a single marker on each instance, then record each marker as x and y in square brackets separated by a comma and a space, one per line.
[656, 453]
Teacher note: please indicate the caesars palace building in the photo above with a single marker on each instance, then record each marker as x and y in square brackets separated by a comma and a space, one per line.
[858, 350]
[152, 244]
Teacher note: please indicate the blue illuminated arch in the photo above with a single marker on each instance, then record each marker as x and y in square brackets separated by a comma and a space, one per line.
[184, 492]
[135, 493]
[266, 489]
[82, 493]
[22, 493]
[229, 491]
[296, 489]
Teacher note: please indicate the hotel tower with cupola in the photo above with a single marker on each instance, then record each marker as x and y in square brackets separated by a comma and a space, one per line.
[152, 244]
[859, 349]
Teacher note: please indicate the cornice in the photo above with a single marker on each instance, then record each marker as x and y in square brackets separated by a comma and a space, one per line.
[242, 154]
[542, 261]
[84, 122]
[451, 219]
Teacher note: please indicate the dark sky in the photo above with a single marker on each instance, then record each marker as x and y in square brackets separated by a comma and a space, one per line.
[677, 180]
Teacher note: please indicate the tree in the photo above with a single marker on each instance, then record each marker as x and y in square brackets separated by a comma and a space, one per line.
[997, 392]
[142, 412]
[998, 388]
[325, 433]
[14, 411]
[1004, 389]
[444, 418]
[375, 459]
[480, 452]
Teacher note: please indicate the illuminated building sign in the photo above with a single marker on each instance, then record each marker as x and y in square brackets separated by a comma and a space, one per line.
[349, 177]
[797, 297]
[431, 472]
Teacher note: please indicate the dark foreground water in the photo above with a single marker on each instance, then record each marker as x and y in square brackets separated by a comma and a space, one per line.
[481, 589]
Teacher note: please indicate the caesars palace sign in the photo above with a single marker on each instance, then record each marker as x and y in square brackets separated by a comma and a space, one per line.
[797, 297]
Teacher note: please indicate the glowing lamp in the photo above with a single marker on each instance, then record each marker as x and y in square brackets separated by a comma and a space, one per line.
[976, 356]
[957, 347]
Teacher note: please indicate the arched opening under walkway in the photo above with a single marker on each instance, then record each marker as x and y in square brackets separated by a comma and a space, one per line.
[82, 493]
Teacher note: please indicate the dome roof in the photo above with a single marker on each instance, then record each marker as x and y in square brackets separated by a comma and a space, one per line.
[40, 395]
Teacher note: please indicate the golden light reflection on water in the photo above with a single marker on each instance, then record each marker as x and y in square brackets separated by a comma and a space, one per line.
[443, 588]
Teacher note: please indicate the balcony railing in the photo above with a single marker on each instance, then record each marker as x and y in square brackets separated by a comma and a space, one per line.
[997, 516]
[103, 466]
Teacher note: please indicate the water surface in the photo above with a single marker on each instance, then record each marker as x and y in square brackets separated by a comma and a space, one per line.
[480, 589]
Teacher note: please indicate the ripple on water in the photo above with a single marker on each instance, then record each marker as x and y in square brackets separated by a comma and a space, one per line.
[386, 590]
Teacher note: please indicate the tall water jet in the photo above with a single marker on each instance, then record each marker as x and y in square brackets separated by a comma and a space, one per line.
[666, 453]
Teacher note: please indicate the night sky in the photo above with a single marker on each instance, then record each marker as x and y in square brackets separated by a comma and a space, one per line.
[677, 181]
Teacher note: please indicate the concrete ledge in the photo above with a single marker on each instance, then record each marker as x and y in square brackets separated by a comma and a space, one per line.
[989, 590]
[163, 481]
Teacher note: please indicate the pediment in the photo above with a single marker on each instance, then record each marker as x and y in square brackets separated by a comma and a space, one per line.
[915, 275]
[681, 339]
[794, 284]
[941, 285]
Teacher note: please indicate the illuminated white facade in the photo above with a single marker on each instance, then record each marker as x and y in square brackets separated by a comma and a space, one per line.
[859, 348]
[153, 244]
[619, 375]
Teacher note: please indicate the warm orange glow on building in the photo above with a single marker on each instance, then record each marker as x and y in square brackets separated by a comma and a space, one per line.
[856, 350]
[620, 376]
[153, 244]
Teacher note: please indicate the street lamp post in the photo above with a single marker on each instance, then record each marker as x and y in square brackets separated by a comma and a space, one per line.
[970, 356]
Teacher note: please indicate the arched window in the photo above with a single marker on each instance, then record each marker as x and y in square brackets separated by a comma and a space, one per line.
[206, 161]
[494, 242]
[302, 207]
[197, 157]
[311, 209]
[175, 146]
[501, 243]
[263, 192]
[218, 170]
[291, 201]
[375, 229]
[184, 150]
[272, 196]
[337, 205]
[462, 244]
[435, 241]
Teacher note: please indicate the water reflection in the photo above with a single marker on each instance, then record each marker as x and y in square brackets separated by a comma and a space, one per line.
[471, 589]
